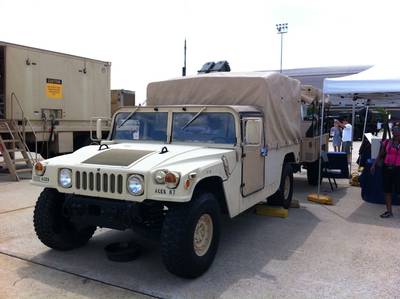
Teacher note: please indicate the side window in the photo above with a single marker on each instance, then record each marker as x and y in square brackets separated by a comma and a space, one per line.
[252, 131]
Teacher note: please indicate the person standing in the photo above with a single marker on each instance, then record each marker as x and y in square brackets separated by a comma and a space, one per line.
[389, 153]
[347, 137]
[378, 128]
[336, 133]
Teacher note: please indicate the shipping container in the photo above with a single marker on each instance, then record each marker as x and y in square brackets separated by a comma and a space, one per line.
[53, 95]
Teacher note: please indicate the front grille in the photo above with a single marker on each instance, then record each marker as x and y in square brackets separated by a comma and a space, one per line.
[95, 181]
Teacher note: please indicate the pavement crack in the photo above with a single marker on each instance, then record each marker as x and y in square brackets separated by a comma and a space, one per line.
[17, 281]
[335, 213]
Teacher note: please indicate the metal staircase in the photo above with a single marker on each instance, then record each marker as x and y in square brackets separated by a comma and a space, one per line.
[11, 144]
[16, 156]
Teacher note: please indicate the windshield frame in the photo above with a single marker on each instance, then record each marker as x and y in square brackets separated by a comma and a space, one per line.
[190, 109]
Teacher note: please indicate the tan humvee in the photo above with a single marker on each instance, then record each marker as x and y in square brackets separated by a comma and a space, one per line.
[203, 145]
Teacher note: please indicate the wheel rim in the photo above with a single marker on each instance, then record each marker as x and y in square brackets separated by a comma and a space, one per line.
[286, 188]
[203, 235]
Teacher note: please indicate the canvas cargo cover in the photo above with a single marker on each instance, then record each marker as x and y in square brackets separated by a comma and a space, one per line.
[278, 96]
[310, 94]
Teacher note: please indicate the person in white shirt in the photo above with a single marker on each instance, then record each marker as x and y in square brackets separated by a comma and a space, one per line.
[378, 128]
[347, 137]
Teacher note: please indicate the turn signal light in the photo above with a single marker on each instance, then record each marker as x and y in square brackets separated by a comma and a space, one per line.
[186, 184]
[171, 180]
[39, 169]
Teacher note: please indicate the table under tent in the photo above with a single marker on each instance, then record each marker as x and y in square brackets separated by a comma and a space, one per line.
[379, 86]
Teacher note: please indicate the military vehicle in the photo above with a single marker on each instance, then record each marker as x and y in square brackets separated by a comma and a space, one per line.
[202, 146]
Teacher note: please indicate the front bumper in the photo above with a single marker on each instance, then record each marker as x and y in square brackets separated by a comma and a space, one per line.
[91, 211]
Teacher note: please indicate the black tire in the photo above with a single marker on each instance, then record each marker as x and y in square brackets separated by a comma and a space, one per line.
[312, 173]
[177, 236]
[279, 198]
[52, 228]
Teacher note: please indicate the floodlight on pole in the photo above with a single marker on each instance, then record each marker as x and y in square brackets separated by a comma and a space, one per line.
[184, 59]
[282, 29]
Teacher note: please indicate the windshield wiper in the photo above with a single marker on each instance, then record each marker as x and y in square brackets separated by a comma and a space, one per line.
[129, 116]
[193, 118]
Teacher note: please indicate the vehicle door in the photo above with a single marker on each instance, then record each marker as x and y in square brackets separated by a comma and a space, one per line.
[253, 160]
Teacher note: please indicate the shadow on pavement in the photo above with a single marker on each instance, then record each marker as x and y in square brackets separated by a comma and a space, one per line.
[302, 189]
[6, 177]
[368, 213]
[248, 243]
[355, 210]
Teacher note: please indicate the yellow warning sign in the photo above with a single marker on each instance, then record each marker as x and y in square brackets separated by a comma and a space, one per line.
[54, 88]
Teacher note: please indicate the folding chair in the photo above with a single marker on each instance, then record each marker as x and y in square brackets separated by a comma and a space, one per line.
[334, 166]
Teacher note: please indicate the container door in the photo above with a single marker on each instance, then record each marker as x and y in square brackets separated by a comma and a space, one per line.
[22, 78]
[253, 162]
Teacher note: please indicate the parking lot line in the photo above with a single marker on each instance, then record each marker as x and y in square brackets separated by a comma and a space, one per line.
[132, 291]
[16, 210]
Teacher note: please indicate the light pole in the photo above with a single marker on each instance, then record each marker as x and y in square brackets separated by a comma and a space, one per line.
[282, 28]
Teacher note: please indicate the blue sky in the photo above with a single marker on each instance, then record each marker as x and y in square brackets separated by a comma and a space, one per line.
[144, 39]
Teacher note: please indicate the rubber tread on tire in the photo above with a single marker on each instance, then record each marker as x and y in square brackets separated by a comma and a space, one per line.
[177, 236]
[277, 199]
[52, 228]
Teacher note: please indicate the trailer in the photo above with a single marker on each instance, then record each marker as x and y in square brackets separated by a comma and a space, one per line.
[121, 98]
[50, 97]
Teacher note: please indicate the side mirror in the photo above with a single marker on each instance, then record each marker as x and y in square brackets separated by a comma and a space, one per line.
[253, 131]
[102, 124]
[99, 130]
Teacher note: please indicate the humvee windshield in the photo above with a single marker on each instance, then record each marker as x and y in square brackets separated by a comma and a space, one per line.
[207, 127]
[141, 126]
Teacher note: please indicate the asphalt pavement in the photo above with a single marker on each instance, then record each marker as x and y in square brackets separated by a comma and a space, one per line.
[339, 251]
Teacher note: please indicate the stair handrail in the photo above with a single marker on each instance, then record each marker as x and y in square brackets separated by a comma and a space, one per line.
[23, 142]
[9, 130]
[24, 122]
[14, 97]
[35, 137]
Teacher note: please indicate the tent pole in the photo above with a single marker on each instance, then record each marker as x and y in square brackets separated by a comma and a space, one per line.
[320, 144]
[353, 116]
[365, 123]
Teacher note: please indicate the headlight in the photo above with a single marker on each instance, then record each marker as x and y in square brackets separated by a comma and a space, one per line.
[169, 178]
[159, 176]
[135, 185]
[39, 169]
[65, 178]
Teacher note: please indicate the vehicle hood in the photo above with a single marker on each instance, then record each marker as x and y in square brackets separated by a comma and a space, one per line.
[138, 157]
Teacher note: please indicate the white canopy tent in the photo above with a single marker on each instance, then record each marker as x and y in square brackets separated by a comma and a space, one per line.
[375, 80]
